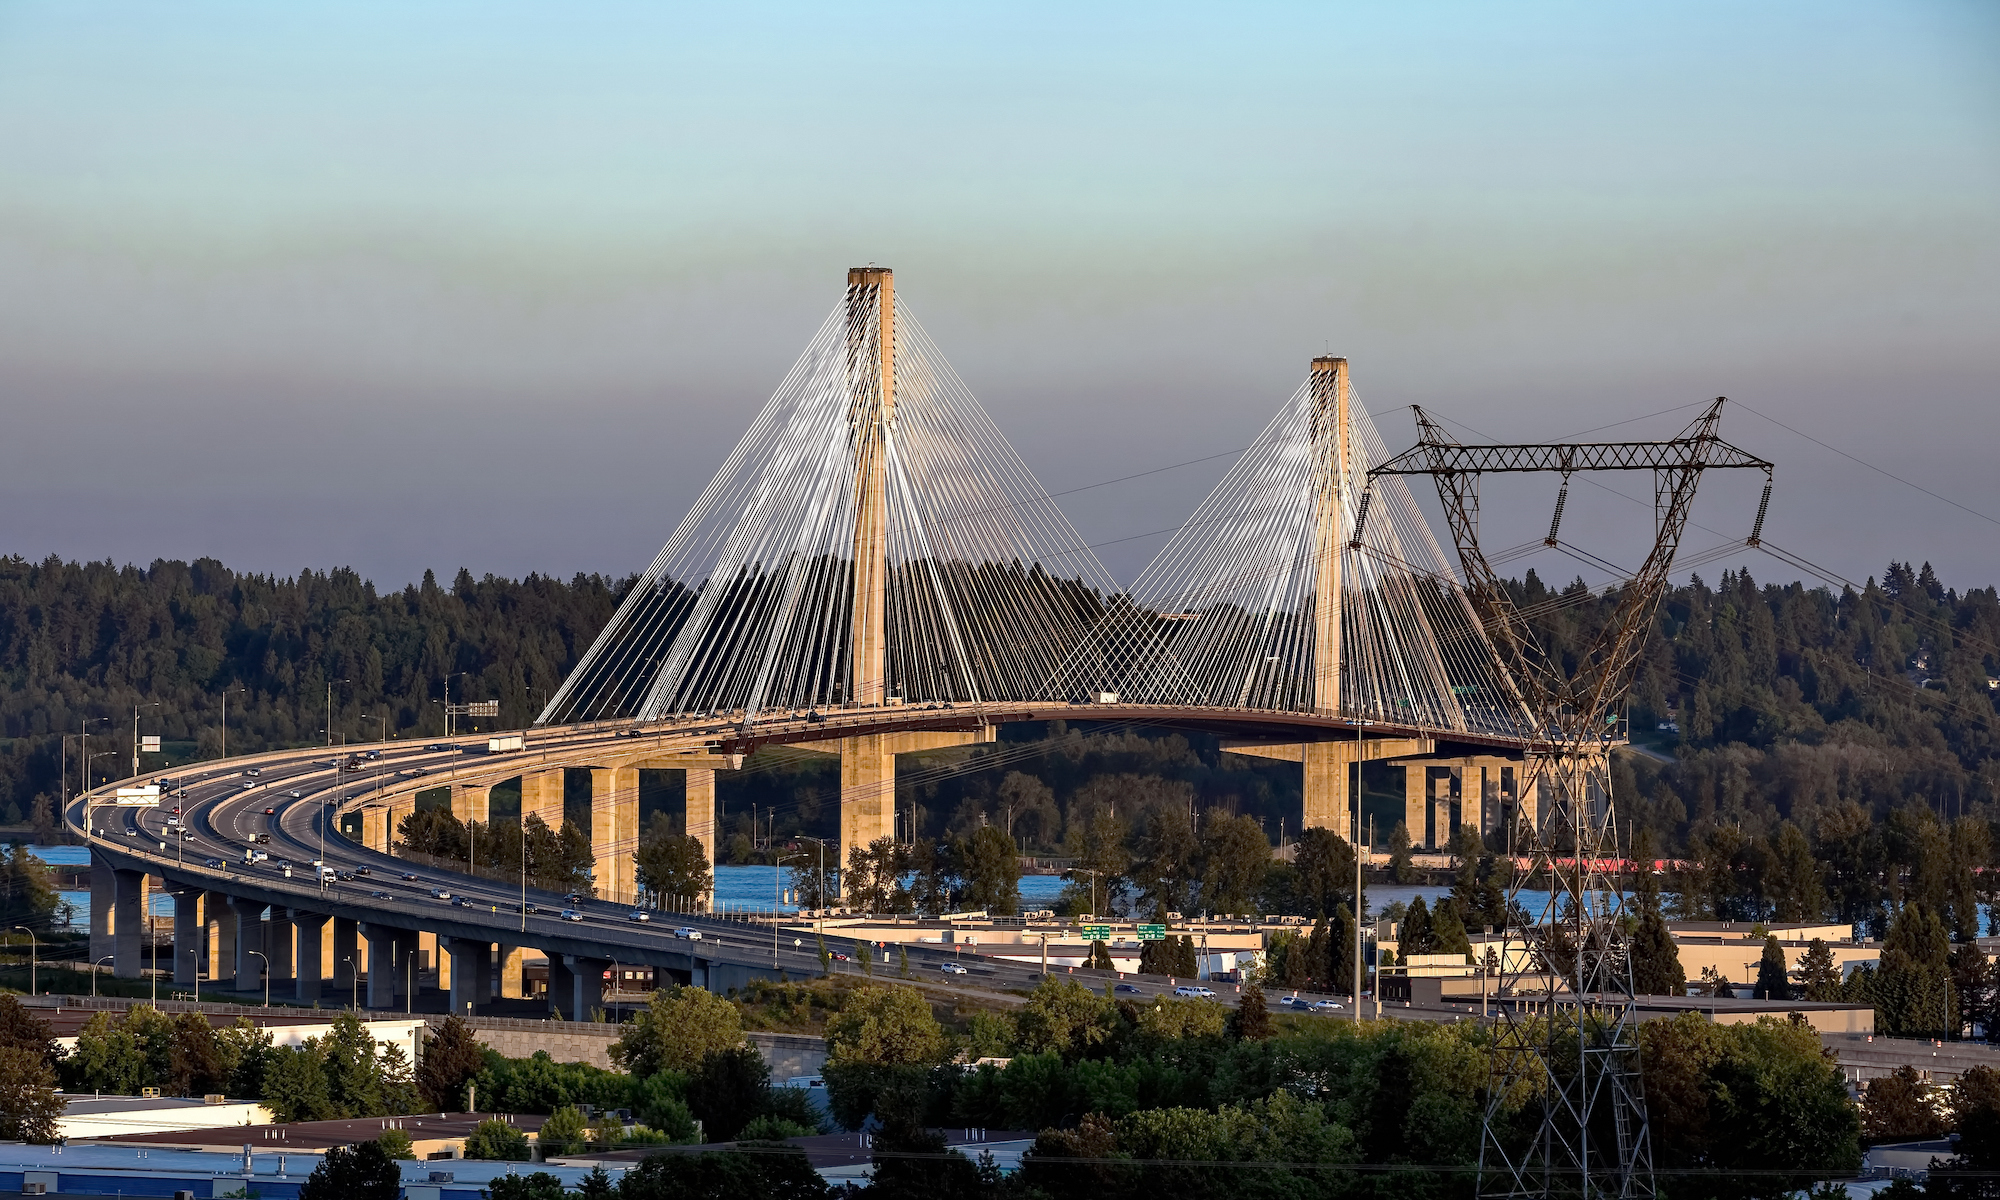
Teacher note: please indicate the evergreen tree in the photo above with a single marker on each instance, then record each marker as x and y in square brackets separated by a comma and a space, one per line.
[1771, 981]
[1448, 934]
[1819, 975]
[1251, 1022]
[1416, 937]
[1656, 959]
[1340, 951]
[1401, 868]
[1912, 990]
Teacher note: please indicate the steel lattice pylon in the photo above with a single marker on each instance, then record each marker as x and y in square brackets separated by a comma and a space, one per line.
[1567, 1026]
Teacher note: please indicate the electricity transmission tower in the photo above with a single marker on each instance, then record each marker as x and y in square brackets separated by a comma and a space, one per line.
[1569, 1032]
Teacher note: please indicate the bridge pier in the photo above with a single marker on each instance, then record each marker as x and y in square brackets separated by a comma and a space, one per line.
[103, 899]
[249, 942]
[278, 944]
[128, 923]
[614, 830]
[188, 930]
[587, 984]
[511, 979]
[868, 777]
[310, 969]
[221, 935]
[471, 974]
[382, 964]
[562, 989]
[542, 796]
[1331, 775]
[346, 954]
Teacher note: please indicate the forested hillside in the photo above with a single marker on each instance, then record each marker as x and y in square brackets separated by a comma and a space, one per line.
[1793, 704]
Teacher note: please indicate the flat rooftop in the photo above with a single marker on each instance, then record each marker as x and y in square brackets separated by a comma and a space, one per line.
[310, 1137]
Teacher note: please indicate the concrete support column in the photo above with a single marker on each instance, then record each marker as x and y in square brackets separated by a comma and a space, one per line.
[311, 968]
[346, 954]
[188, 928]
[278, 944]
[587, 985]
[432, 948]
[375, 829]
[1329, 772]
[562, 989]
[867, 792]
[471, 967]
[128, 923]
[383, 969]
[103, 899]
[221, 936]
[701, 811]
[614, 830]
[542, 796]
[511, 980]
[249, 943]
[471, 804]
[398, 812]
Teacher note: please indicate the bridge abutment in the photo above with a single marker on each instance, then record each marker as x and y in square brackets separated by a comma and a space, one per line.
[128, 923]
[309, 972]
[188, 928]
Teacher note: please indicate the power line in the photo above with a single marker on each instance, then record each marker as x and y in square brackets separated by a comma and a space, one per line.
[1871, 466]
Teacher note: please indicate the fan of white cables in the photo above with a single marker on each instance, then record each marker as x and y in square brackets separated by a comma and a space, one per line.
[1223, 617]
[748, 607]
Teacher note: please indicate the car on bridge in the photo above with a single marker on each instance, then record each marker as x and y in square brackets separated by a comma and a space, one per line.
[213, 864]
[440, 894]
[272, 812]
[381, 895]
[570, 914]
[953, 968]
[1195, 991]
[409, 876]
[252, 772]
[688, 933]
[1326, 1006]
[1125, 989]
[639, 914]
[1294, 1002]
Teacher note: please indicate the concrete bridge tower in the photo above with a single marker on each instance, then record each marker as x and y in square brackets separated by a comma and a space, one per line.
[868, 762]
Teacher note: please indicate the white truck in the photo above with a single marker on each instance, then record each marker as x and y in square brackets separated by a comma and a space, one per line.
[505, 743]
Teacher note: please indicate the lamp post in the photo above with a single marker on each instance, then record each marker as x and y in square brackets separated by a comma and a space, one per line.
[93, 973]
[267, 976]
[225, 716]
[135, 734]
[354, 982]
[329, 707]
[34, 952]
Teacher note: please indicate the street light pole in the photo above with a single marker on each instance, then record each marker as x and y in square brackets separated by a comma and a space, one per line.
[135, 734]
[34, 952]
[93, 973]
[329, 707]
[225, 717]
[267, 976]
[354, 982]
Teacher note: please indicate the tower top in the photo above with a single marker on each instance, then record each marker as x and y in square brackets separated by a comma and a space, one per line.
[868, 274]
[1328, 362]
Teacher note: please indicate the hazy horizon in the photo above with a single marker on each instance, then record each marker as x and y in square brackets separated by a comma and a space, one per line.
[499, 286]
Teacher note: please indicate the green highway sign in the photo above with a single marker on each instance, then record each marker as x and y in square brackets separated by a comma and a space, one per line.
[1152, 933]
[1097, 933]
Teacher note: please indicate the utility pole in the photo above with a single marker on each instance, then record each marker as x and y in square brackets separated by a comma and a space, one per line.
[329, 707]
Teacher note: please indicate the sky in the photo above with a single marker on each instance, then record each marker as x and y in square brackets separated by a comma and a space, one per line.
[498, 285]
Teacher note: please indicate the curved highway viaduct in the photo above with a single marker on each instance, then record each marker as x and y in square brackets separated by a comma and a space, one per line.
[385, 925]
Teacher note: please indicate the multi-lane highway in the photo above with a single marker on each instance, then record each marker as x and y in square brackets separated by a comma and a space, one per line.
[292, 798]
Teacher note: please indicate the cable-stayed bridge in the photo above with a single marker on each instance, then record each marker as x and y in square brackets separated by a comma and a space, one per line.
[874, 570]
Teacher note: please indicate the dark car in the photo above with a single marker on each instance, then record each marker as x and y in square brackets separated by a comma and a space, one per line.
[362, 871]
[526, 908]
[213, 864]
[1126, 989]
[270, 812]
[381, 895]
[411, 876]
